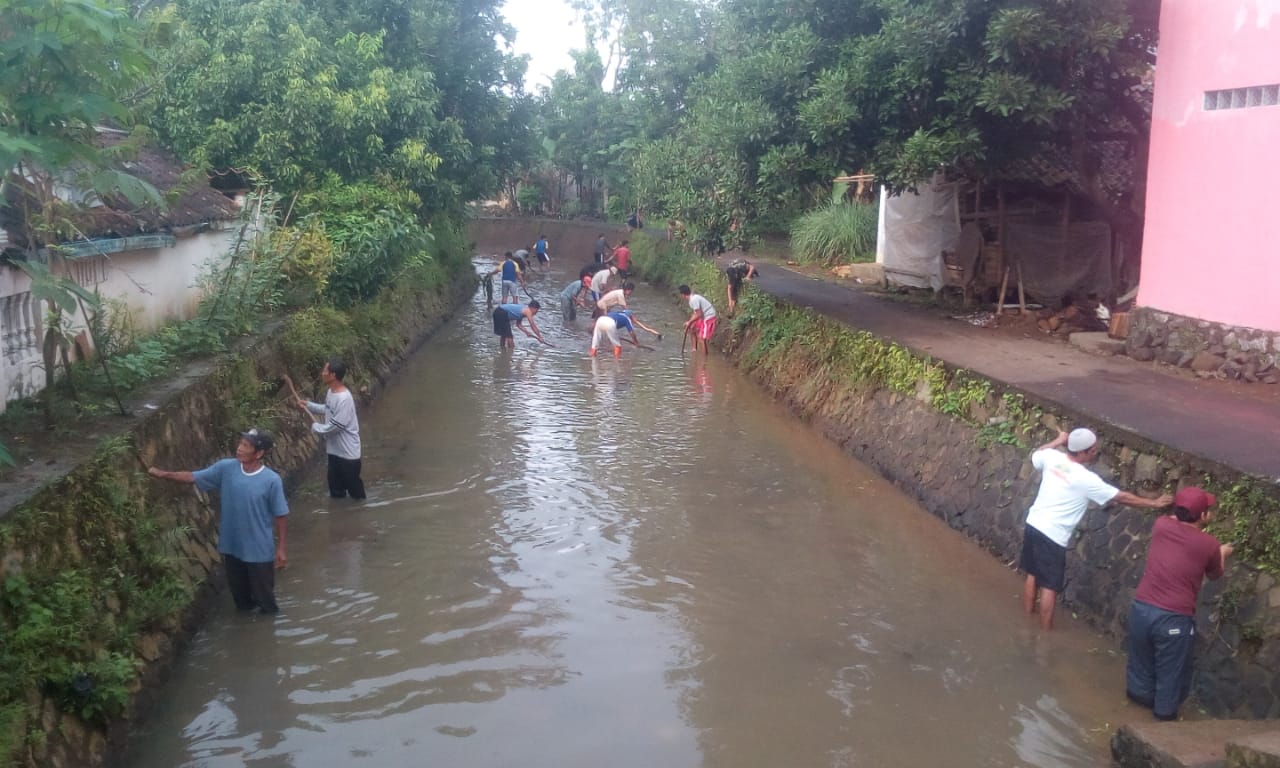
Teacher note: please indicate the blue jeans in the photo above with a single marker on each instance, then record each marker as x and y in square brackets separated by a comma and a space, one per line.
[1161, 656]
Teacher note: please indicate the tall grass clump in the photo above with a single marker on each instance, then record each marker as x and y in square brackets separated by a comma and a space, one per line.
[839, 233]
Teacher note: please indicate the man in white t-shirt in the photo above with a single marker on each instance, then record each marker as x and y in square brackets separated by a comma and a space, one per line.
[616, 299]
[1066, 488]
[600, 282]
[702, 322]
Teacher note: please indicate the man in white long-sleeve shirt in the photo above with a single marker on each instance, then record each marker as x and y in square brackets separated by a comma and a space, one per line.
[340, 430]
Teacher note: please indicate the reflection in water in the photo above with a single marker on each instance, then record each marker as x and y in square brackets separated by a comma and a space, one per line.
[568, 561]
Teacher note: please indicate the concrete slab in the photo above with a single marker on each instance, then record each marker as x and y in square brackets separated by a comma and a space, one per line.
[1260, 751]
[1097, 342]
[862, 273]
[1184, 744]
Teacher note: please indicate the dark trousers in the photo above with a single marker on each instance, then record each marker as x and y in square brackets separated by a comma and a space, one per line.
[344, 478]
[252, 585]
[1161, 655]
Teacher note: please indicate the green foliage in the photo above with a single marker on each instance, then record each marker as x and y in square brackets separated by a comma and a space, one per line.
[839, 233]
[66, 65]
[759, 103]
[296, 91]
[1246, 516]
[961, 396]
[99, 570]
[529, 198]
[375, 234]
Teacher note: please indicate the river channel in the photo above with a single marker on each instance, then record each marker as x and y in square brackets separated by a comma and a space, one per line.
[567, 562]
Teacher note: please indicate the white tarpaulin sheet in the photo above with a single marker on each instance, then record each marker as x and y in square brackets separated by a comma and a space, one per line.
[914, 231]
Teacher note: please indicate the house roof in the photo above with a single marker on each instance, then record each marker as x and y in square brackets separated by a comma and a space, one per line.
[190, 201]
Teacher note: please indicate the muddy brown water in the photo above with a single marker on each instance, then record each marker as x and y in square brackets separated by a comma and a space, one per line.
[644, 562]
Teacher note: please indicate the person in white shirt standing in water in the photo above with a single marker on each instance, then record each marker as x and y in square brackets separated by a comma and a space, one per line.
[703, 320]
[1066, 488]
[340, 430]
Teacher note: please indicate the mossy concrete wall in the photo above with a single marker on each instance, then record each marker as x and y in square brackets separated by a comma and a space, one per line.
[88, 522]
[984, 489]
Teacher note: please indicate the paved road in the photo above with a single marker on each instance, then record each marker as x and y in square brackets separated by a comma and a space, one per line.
[1198, 418]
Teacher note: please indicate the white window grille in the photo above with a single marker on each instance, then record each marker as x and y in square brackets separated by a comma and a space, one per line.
[1242, 98]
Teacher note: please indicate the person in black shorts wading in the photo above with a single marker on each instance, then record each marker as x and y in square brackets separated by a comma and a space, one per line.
[1066, 488]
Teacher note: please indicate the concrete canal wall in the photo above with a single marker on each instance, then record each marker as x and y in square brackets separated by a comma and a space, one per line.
[960, 444]
[107, 573]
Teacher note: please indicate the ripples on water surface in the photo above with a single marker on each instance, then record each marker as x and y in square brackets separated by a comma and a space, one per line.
[566, 562]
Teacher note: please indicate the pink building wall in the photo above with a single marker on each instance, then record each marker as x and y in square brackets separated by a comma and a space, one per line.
[1211, 249]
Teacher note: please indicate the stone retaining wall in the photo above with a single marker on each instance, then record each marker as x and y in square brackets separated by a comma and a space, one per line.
[194, 428]
[984, 492]
[1209, 349]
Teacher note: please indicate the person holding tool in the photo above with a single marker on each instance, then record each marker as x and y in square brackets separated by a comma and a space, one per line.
[506, 314]
[702, 323]
[340, 429]
[633, 320]
[252, 519]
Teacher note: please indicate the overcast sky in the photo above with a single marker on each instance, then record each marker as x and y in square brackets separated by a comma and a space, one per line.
[545, 30]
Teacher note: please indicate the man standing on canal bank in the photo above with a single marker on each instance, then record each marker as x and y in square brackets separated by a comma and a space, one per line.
[1162, 620]
[251, 503]
[340, 430]
[1066, 488]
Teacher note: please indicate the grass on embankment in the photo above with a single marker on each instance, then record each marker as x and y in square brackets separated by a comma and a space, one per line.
[838, 233]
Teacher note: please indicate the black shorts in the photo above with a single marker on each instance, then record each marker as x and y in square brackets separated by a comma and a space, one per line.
[735, 286]
[542, 258]
[1044, 558]
[502, 323]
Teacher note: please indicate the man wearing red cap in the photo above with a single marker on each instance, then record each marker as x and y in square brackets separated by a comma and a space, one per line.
[1066, 488]
[1162, 620]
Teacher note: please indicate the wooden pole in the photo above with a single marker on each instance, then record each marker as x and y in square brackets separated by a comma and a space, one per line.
[1004, 284]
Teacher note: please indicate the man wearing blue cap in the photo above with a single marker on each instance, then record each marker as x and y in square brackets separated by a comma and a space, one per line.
[251, 504]
[1066, 488]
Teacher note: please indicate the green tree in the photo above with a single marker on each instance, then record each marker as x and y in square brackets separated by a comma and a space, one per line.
[981, 87]
[295, 90]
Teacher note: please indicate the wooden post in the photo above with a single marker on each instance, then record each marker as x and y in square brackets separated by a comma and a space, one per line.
[1004, 284]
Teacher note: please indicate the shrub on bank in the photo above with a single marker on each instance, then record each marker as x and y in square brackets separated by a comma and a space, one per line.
[839, 233]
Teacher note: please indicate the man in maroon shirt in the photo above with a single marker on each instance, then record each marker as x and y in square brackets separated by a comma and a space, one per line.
[1162, 620]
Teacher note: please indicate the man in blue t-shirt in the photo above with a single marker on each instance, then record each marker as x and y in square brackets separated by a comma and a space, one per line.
[540, 250]
[512, 278]
[251, 504]
[506, 314]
